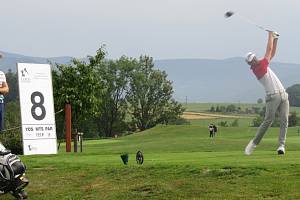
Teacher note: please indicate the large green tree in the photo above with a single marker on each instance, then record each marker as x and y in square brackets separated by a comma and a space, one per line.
[114, 78]
[76, 84]
[150, 95]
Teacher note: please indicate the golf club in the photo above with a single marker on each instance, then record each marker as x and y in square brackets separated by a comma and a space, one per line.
[231, 13]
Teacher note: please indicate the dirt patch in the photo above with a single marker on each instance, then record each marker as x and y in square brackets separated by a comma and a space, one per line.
[196, 115]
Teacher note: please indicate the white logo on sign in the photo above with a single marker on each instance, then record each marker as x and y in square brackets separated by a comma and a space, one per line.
[25, 75]
[32, 148]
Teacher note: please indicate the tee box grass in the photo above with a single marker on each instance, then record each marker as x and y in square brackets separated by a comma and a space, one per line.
[181, 162]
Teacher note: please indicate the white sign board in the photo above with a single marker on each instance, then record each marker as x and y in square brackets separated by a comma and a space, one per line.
[37, 109]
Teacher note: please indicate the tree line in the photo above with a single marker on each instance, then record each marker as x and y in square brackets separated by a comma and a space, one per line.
[108, 97]
[231, 108]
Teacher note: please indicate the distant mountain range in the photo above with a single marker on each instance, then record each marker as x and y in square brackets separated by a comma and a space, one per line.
[197, 80]
[228, 80]
[10, 60]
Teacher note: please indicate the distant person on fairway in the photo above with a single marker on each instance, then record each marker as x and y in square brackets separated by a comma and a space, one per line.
[215, 129]
[276, 97]
[211, 130]
[3, 90]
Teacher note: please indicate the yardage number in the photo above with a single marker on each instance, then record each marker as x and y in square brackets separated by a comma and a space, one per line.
[36, 105]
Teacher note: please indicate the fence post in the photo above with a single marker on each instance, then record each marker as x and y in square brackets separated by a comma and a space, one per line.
[68, 127]
[75, 140]
[80, 136]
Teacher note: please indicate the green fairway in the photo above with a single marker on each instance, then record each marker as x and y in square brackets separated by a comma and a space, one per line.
[243, 122]
[181, 162]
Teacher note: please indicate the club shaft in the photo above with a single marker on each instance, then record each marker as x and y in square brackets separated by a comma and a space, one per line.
[253, 23]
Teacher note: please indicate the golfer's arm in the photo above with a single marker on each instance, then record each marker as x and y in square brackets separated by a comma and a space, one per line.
[4, 89]
[269, 50]
[274, 47]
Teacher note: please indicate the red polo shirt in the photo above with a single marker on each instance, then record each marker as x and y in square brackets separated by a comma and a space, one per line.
[261, 68]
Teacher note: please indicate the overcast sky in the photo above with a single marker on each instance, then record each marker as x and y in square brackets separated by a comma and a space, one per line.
[162, 29]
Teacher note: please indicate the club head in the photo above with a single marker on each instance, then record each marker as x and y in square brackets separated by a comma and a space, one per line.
[228, 14]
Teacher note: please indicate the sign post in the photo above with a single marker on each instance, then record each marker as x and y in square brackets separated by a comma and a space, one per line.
[37, 109]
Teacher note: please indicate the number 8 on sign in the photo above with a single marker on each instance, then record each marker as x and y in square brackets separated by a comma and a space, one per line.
[36, 105]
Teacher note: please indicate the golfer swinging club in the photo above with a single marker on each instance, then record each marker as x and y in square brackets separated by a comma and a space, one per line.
[276, 97]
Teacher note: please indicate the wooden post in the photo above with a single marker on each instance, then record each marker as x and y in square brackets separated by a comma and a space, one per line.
[75, 140]
[68, 127]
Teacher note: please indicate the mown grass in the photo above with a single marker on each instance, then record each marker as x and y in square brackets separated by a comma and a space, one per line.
[181, 162]
[242, 122]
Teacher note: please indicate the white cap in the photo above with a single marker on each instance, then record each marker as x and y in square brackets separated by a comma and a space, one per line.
[249, 57]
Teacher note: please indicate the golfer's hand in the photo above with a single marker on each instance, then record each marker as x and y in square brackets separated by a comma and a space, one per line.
[275, 35]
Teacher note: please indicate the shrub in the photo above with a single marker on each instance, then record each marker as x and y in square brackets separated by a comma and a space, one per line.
[12, 140]
[293, 119]
[235, 123]
[256, 122]
[223, 123]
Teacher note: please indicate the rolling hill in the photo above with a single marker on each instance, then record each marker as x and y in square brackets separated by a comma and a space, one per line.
[10, 60]
[228, 80]
[197, 80]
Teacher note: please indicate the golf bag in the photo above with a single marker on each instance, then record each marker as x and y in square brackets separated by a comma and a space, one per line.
[139, 157]
[12, 175]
